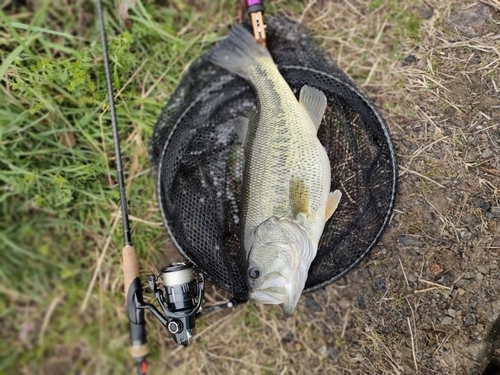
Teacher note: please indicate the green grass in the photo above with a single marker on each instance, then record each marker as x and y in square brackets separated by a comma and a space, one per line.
[57, 178]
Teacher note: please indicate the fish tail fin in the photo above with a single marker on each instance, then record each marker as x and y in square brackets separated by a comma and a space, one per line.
[237, 52]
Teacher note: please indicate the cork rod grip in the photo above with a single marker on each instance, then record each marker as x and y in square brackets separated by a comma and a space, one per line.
[130, 266]
[133, 291]
[139, 351]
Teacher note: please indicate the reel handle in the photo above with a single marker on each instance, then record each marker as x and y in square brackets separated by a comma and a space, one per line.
[133, 290]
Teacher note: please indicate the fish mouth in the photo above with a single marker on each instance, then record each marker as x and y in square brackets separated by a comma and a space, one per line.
[268, 296]
[278, 290]
[272, 291]
[275, 296]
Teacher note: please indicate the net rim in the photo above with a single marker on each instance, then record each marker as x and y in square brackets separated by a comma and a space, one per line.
[393, 162]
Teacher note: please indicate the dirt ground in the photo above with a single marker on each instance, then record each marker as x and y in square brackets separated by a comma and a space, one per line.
[426, 301]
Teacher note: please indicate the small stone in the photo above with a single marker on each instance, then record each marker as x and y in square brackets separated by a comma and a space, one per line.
[468, 275]
[465, 235]
[361, 302]
[485, 206]
[288, 337]
[397, 218]
[410, 59]
[489, 215]
[479, 276]
[444, 279]
[380, 285]
[412, 278]
[409, 145]
[460, 124]
[402, 187]
[478, 202]
[436, 269]
[487, 153]
[471, 22]
[446, 321]
[452, 313]
[407, 240]
[344, 303]
[425, 12]
[475, 59]
[483, 270]
[333, 353]
[495, 211]
[419, 201]
[470, 320]
[311, 304]
[461, 283]
[461, 291]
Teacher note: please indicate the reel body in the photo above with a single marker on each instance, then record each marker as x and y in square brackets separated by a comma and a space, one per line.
[180, 300]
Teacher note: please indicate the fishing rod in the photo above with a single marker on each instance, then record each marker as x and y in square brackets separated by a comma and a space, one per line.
[181, 298]
[180, 291]
[133, 289]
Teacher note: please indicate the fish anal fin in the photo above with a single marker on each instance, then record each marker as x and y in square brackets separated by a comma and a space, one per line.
[314, 102]
[332, 203]
[241, 127]
[299, 198]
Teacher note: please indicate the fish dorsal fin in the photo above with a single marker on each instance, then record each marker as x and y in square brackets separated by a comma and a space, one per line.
[314, 102]
[332, 203]
[299, 198]
[241, 127]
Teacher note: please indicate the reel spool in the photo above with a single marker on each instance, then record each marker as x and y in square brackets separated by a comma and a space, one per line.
[198, 162]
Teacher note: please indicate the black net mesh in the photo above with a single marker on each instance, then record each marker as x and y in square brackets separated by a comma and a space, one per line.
[198, 162]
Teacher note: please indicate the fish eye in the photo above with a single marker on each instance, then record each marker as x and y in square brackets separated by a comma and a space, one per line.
[253, 273]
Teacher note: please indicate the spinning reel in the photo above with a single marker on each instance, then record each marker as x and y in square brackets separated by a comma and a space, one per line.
[180, 300]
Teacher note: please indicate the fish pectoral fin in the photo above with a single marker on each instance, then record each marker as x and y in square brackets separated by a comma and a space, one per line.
[299, 198]
[241, 127]
[314, 102]
[332, 203]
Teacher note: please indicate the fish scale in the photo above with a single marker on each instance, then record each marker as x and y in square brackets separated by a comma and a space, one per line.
[281, 144]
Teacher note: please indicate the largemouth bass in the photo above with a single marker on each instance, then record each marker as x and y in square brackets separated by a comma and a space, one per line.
[286, 197]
